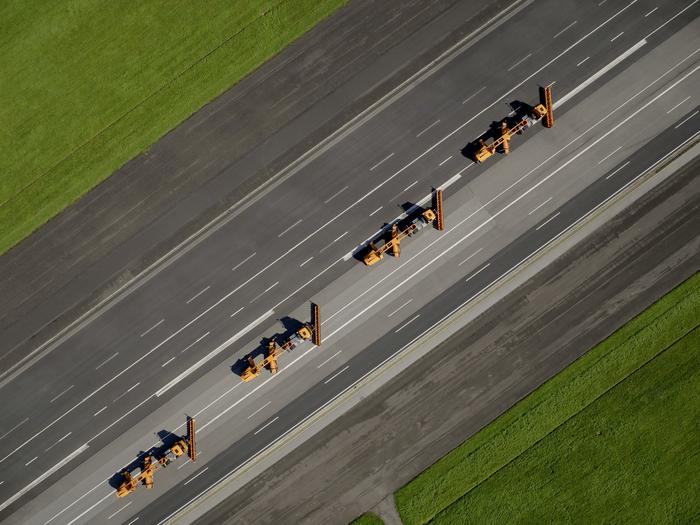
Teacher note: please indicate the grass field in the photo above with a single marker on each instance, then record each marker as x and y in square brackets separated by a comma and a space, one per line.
[614, 438]
[368, 519]
[88, 85]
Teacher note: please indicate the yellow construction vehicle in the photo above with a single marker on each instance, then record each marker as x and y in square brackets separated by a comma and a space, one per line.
[483, 151]
[131, 479]
[307, 332]
[398, 233]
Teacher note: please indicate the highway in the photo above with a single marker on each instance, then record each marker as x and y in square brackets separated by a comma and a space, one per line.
[625, 81]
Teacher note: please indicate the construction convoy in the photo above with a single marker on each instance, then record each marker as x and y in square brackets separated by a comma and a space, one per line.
[153, 461]
[388, 242]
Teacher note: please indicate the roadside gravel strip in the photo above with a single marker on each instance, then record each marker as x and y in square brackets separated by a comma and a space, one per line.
[395, 433]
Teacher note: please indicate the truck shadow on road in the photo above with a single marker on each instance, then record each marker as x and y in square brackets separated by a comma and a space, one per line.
[291, 326]
[167, 438]
[519, 110]
[411, 209]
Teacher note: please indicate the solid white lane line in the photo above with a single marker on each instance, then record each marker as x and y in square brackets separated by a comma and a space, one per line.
[259, 409]
[572, 24]
[477, 272]
[472, 96]
[103, 363]
[686, 119]
[679, 13]
[582, 61]
[14, 428]
[650, 12]
[511, 68]
[617, 36]
[399, 308]
[292, 226]
[472, 255]
[548, 221]
[330, 358]
[100, 410]
[443, 162]
[214, 353]
[686, 99]
[196, 475]
[31, 461]
[202, 337]
[538, 207]
[410, 186]
[406, 324]
[429, 127]
[609, 155]
[618, 169]
[243, 261]
[41, 478]
[118, 511]
[59, 395]
[306, 261]
[600, 73]
[264, 292]
[221, 396]
[116, 421]
[109, 494]
[381, 161]
[196, 295]
[167, 362]
[137, 384]
[93, 489]
[329, 199]
[375, 211]
[336, 375]
[152, 327]
[265, 426]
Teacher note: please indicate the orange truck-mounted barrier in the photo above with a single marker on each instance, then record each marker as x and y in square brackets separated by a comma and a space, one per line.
[392, 245]
[185, 445]
[544, 110]
[307, 332]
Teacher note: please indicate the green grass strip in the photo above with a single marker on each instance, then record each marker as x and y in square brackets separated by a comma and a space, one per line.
[551, 405]
[87, 86]
[632, 456]
[368, 518]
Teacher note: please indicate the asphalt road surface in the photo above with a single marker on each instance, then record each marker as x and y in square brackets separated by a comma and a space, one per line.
[625, 78]
[463, 384]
